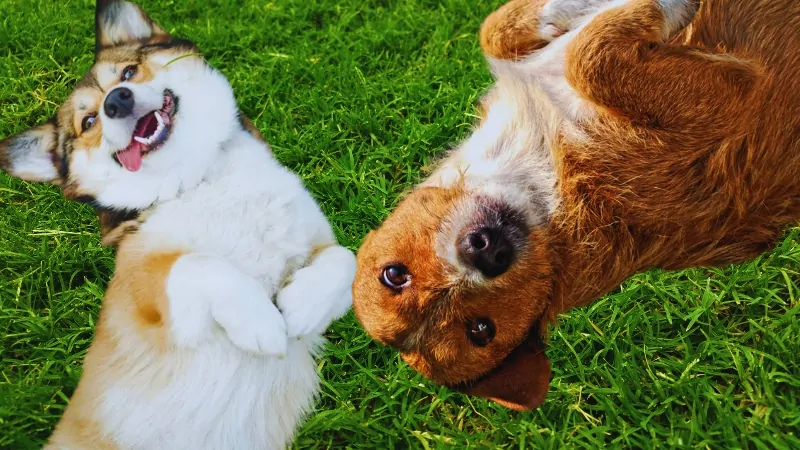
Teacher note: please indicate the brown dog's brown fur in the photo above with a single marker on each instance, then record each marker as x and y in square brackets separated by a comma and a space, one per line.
[710, 179]
[691, 158]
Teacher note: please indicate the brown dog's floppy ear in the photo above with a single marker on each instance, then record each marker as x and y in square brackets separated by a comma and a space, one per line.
[31, 155]
[120, 22]
[521, 381]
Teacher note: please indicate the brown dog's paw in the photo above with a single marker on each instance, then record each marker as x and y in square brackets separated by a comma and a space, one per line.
[512, 32]
[520, 27]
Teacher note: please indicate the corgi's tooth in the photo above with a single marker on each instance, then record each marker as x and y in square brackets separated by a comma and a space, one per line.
[141, 140]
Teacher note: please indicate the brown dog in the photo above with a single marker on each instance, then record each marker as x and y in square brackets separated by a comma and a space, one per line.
[619, 136]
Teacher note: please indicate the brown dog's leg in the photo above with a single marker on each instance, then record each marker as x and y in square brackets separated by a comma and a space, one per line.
[512, 32]
[623, 63]
[521, 27]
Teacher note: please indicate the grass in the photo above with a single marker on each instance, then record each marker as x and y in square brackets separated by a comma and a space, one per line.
[357, 96]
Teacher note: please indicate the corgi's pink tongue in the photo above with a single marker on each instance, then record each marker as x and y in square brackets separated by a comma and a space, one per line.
[131, 156]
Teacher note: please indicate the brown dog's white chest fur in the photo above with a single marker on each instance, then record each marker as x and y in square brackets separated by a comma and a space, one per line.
[614, 140]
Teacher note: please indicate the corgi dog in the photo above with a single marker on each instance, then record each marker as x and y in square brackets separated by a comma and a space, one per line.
[618, 136]
[227, 272]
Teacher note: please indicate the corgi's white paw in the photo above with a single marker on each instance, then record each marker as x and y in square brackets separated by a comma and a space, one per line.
[206, 291]
[319, 293]
[250, 319]
[309, 306]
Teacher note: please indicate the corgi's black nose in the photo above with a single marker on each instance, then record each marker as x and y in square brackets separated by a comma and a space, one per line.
[119, 103]
[487, 249]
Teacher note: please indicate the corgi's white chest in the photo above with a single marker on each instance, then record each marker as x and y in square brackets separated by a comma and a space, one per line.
[263, 223]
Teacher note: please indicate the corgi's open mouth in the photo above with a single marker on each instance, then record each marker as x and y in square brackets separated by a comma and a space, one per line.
[150, 133]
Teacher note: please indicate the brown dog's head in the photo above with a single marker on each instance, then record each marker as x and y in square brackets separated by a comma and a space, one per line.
[459, 278]
[459, 282]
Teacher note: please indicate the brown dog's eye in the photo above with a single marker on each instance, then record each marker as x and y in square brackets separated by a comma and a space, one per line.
[395, 277]
[480, 331]
[128, 73]
[88, 122]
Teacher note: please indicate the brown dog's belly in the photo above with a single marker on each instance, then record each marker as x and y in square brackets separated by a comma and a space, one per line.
[719, 187]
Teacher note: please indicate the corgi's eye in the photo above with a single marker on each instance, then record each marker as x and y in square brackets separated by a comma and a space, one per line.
[88, 122]
[395, 276]
[128, 73]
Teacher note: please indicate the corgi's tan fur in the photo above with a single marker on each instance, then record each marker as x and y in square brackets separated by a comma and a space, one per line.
[227, 272]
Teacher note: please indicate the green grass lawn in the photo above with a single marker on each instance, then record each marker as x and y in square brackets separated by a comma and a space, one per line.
[358, 96]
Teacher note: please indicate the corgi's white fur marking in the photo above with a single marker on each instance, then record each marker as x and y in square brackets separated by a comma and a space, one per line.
[234, 378]
[225, 279]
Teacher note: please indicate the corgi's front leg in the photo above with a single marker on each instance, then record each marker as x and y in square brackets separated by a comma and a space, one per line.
[206, 291]
[319, 293]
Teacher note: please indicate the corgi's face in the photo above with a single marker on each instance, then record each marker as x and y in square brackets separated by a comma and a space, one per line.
[144, 123]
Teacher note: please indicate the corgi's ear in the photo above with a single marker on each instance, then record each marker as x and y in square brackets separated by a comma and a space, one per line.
[31, 155]
[120, 22]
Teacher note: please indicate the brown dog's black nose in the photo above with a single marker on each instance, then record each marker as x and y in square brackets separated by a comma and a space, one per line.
[487, 249]
[119, 103]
